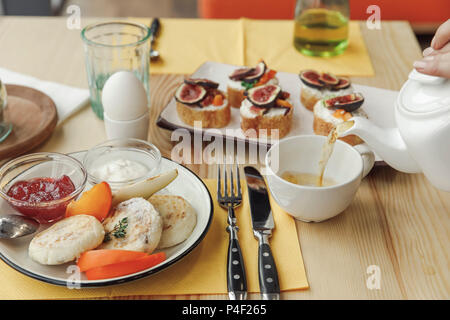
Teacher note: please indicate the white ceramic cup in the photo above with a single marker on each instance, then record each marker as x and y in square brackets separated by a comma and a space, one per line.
[347, 166]
[137, 129]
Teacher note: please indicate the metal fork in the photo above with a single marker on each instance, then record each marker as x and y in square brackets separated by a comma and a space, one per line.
[236, 279]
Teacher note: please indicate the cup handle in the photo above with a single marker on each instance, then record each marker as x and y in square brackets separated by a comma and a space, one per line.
[368, 158]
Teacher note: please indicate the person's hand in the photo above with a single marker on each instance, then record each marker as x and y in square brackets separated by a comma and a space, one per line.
[436, 59]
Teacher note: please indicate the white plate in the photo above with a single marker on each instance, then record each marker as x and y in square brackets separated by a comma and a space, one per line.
[15, 252]
[378, 104]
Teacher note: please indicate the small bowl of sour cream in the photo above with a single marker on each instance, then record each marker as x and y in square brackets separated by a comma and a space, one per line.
[122, 162]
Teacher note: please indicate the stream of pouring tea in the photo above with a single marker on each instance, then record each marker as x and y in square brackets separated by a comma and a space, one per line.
[327, 148]
[308, 179]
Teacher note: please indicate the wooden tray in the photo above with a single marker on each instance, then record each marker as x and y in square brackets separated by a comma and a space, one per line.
[33, 116]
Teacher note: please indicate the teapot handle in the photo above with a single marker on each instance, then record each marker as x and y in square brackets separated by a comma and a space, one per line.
[368, 158]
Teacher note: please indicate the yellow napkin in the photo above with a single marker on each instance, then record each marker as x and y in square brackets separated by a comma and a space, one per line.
[203, 271]
[272, 40]
[185, 44]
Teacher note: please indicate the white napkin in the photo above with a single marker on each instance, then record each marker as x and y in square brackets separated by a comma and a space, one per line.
[68, 100]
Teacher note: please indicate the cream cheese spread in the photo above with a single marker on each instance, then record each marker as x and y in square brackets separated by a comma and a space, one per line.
[119, 170]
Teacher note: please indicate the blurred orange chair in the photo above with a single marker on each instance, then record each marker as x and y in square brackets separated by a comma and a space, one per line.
[412, 10]
[424, 16]
[415, 11]
[254, 9]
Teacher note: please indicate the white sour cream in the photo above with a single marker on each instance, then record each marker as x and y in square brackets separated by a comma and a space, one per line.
[119, 170]
[326, 114]
[211, 107]
[322, 93]
[247, 112]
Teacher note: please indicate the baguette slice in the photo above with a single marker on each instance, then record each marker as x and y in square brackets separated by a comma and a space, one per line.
[259, 125]
[323, 128]
[324, 122]
[310, 96]
[235, 97]
[210, 116]
[308, 99]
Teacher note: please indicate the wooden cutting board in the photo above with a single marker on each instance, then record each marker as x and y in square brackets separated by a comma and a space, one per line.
[33, 116]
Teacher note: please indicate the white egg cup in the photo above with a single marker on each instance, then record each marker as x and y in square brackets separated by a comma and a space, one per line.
[137, 128]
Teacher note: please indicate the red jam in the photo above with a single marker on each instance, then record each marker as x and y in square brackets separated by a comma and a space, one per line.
[35, 192]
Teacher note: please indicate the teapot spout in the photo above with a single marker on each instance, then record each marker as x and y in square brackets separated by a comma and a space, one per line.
[386, 142]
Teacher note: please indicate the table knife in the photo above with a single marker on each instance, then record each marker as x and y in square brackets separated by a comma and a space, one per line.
[263, 224]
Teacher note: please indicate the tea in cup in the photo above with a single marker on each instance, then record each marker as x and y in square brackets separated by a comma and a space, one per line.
[293, 170]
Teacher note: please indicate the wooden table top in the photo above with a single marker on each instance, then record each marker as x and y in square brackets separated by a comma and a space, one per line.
[397, 222]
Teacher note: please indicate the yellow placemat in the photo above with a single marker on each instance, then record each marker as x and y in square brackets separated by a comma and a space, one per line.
[185, 44]
[273, 41]
[203, 271]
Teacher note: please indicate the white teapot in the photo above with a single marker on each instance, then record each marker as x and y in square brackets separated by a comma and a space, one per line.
[421, 141]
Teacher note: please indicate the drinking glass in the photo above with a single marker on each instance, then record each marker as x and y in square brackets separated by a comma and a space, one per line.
[5, 128]
[115, 46]
[321, 27]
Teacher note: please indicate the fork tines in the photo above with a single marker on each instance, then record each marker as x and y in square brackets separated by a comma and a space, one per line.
[230, 193]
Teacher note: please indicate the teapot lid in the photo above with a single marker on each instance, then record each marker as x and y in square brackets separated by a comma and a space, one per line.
[423, 93]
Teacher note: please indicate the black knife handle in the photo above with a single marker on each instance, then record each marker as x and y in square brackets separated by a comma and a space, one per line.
[268, 275]
[236, 279]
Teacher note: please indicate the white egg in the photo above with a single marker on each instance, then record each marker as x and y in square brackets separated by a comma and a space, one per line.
[124, 97]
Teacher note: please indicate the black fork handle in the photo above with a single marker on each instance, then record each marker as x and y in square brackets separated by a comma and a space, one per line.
[236, 278]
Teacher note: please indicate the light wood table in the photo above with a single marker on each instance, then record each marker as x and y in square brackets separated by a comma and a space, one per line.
[398, 222]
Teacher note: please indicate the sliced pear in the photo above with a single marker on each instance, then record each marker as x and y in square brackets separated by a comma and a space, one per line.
[144, 189]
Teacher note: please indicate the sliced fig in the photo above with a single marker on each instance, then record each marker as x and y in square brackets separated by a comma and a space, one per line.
[284, 95]
[207, 101]
[343, 83]
[264, 96]
[241, 73]
[256, 73]
[328, 79]
[349, 102]
[311, 79]
[190, 94]
[202, 82]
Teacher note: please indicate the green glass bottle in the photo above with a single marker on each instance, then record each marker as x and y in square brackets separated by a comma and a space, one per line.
[321, 27]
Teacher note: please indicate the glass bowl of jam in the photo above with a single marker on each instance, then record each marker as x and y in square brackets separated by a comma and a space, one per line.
[41, 185]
